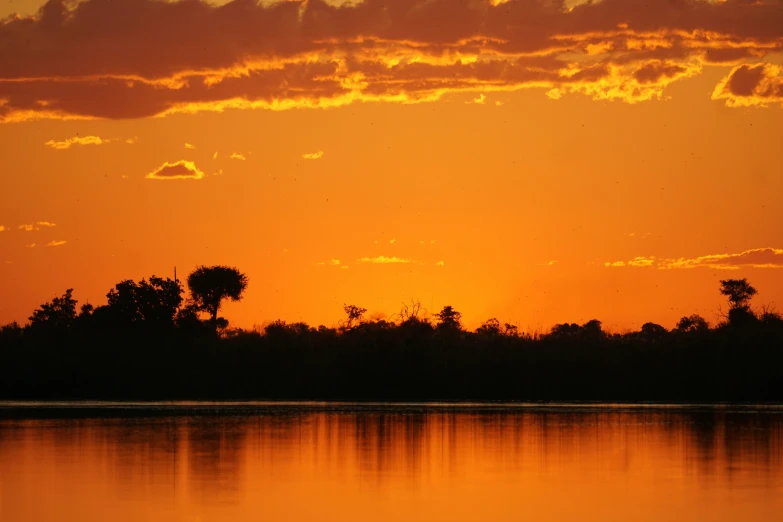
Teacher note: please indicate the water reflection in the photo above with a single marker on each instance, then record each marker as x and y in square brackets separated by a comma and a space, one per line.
[394, 465]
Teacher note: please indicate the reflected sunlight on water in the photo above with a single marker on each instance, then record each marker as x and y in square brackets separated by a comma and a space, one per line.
[396, 464]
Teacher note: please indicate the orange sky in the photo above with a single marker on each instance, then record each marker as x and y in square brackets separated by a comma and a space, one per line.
[505, 160]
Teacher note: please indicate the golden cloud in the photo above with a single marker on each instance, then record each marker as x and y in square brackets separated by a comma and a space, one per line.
[237, 156]
[66, 144]
[332, 262]
[313, 155]
[189, 146]
[189, 56]
[34, 227]
[383, 260]
[178, 170]
[754, 258]
[2, 228]
[55, 243]
[751, 85]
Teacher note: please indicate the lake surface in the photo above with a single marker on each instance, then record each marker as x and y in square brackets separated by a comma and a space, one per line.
[225, 463]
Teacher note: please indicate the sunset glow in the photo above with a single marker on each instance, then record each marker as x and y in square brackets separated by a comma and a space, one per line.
[534, 161]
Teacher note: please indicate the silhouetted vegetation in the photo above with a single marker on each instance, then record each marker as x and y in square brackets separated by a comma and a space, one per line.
[149, 342]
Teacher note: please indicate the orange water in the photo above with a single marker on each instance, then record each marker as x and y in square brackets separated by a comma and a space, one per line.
[396, 465]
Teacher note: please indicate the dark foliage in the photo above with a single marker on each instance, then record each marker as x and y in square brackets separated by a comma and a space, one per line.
[159, 351]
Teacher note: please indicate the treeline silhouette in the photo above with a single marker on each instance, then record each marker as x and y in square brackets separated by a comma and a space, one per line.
[150, 341]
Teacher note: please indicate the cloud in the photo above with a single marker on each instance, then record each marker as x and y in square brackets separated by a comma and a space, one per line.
[55, 243]
[178, 170]
[35, 227]
[480, 100]
[392, 241]
[189, 56]
[2, 228]
[549, 263]
[641, 261]
[754, 258]
[214, 156]
[331, 262]
[82, 140]
[751, 85]
[313, 155]
[237, 156]
[440, 263]
[31, 245]
[383, 260]
[66, 144]
[189, 146]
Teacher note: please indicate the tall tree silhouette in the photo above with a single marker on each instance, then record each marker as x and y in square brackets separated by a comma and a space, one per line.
[739, 292]
[211, 285]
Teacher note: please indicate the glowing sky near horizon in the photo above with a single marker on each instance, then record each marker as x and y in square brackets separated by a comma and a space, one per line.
[535, 161]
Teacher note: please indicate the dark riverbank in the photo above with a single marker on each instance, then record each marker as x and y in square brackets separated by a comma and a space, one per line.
[386, 362]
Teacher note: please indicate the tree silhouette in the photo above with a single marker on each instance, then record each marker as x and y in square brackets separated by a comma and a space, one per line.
[592, 329]
[739, 292]
[692, 323]
[59, 314]
[353, 315]
[211, 285]
[449, 318]
[489, 327]
[652, 331]
[153, 301]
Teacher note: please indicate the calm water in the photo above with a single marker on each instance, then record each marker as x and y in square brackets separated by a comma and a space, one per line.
[406, 463]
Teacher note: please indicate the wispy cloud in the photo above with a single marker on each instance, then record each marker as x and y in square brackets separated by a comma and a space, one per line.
[331, 262]
[189, 146]
[78, 140]
[754, 258]
[31, 245]
[214, 156]
[550, 263]
[383, 260]
[392, 241]
[34, 227]
[86, 140]
[237, 156]
[2, 228]
[55, 243]
[480, 100]
[178, 170]
[440, 263]
[313, 155]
